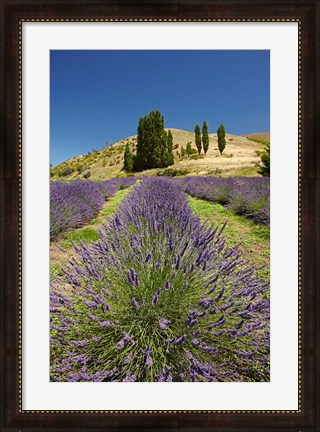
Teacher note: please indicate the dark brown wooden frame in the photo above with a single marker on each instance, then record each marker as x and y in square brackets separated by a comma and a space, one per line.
[13, 418]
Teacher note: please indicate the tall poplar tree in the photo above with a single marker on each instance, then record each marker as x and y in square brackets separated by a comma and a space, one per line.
[205, 137]
[170, 159]
[197, 137]
[128, 159]
[221, 133]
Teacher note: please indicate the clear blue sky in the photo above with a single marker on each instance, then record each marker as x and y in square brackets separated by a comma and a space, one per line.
[98, 96]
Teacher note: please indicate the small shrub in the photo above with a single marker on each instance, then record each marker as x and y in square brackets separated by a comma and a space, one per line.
[66, 171]
[173, 172]
[196, 156]
[121, 175]
[87, 174]
[80, 168]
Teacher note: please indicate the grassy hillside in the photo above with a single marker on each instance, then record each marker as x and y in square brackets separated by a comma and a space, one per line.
[259, 136]
[239, 158]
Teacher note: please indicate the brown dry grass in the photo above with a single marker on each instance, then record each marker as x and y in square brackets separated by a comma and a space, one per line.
[238, 158]
[262, 136]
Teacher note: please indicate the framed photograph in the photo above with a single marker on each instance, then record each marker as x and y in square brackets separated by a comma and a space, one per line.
[160, 239]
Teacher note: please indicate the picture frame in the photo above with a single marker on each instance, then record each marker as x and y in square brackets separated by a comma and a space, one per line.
[14, 14]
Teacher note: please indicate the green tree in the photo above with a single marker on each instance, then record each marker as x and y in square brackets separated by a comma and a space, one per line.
[265, 160]
[189, 149]
[221, 133]
[183, 152]
[197, 133]
[154, 145]
[170, 157]
[128, 159]
[205, 137]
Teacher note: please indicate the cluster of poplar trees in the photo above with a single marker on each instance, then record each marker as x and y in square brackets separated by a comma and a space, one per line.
[154, 145]
[202, 142]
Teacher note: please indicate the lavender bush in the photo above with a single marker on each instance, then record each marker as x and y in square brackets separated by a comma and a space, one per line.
[247, 196]
[159, 298]
[76, 202]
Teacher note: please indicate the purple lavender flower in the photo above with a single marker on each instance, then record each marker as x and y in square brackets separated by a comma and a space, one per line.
[135, 304]
[217, 323]
[148, 361]
[127, 360]
[92, 317]
[168, 286]
[181, 339]
[164, 323]
[120, 344]
[80, 344]
[90, 304]
[148, 257]
[130, 378]
[156, 297]
[104, 324]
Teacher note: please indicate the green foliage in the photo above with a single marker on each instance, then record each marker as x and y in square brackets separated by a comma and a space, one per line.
[265, 161]
[128, 159]
[121, 175]
[67, 171]
[80, 168]
[173, 172]
[196, 156]
[104, 163]
[154, 144]
[197, 133]
[254, 238]
[221, 132]
[183, 152]
[87, 174]
[170, 158]
[112, 205]
[85, 235]
[205, 137]
[190, 150]
[259, 141]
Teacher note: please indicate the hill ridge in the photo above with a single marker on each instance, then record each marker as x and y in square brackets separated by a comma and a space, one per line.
[239, 158]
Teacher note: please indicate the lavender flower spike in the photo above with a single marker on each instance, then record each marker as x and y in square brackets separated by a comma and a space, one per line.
[164, 323]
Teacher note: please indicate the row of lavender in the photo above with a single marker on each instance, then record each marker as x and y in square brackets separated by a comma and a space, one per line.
[73, 203]
[247, 196]
[160, 297]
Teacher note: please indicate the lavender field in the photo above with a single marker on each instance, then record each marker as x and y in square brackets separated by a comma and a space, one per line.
[72, 204]
[245, 196]
[161, 295]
